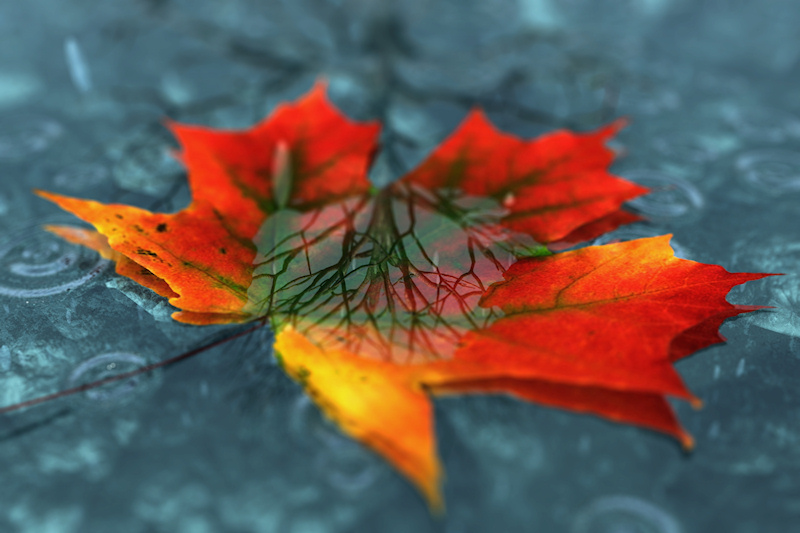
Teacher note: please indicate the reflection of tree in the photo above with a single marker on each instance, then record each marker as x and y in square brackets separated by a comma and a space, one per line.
[397, 276]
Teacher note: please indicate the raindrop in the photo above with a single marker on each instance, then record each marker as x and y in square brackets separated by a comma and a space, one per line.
[81, 177]
[108, 365]
[22, 136]
[348, 466]
[770, 170]
[670, 197]
[687, 150]
[762, 124]
[740, 368]
[143, 163]
[647, 101]
[585, 444]
[5, 358]
[624, 514]
[78, 68]
[308, 422]
[35, 263]
[17, 87]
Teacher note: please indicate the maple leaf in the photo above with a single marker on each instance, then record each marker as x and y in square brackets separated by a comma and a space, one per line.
[444, 282]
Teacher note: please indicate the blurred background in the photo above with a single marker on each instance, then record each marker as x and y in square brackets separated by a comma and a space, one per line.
[224, 442]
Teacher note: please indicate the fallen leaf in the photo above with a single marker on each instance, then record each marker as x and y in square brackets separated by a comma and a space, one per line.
[444, 282]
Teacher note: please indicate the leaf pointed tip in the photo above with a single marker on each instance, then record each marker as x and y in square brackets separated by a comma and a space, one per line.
[687, 441]
[59, 199]
[436, 504]
[318, 92]
[179, 131]
[169, 123]
[45, 194]
[618, 124]
[611, 129]
[430, 487]
[477, 118]
[320, 85]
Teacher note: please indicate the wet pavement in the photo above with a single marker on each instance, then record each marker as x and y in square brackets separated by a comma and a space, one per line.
[224, 442]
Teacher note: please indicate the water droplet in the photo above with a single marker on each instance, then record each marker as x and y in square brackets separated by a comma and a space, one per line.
[647, 100]
[22, 136]
[618, 514]
[143, 163]
[585, 444]
[670, 197]
[307, 422]
[81, 177]
[35, 263]
[175, 89]
[770, 170]
[5, 203]
[740, 368]
[17, 87]
[762, 124]
[348, 467]
[684, 149]
[5, 358]
[78, 68]
[108, 365]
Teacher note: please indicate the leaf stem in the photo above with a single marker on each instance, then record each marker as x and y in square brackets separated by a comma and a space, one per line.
[126, 375]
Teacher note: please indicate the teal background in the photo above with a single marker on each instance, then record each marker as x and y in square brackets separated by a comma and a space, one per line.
[223, 442]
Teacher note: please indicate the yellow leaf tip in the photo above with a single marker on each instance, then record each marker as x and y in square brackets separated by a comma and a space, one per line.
[43, 194]
[432, 493]
[437, 508]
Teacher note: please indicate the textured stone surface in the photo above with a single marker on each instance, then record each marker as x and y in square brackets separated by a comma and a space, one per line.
[223, 442]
